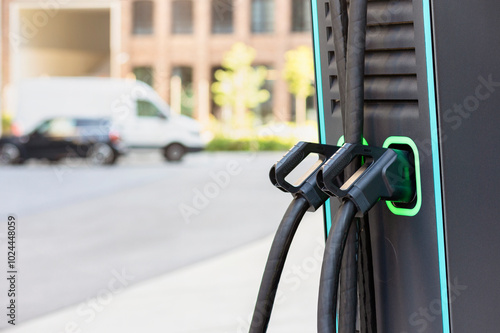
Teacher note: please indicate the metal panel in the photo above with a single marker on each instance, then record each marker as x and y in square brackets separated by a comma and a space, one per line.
[467, 49]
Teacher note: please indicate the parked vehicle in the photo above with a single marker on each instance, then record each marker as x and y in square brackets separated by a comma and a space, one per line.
[135, 109]
[60, 137]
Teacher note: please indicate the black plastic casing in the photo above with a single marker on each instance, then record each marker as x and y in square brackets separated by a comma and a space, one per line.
[307, 186]
[385, 175]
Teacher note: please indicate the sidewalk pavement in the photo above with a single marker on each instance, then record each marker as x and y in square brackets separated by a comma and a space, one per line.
[215, 296]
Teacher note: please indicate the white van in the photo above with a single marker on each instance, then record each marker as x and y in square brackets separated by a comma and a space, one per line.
[142, 118]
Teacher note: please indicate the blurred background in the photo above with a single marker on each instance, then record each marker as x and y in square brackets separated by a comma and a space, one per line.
[137, 137]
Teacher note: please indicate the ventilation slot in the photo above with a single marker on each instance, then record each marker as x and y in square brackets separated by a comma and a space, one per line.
[390, 65]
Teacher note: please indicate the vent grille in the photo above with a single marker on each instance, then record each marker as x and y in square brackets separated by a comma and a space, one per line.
[390, 65]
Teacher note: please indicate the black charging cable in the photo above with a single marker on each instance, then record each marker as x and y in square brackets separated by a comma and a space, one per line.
[275, 263]
[330, 270]
[349, 31]
[307, 196]
[385, 175]
[339, 16]
[348, 290]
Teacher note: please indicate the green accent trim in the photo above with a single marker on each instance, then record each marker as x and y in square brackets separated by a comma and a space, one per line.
[429, 57]
[342, 141]
[328, 216]
[407, 211]
[319, 94]
[317, 65]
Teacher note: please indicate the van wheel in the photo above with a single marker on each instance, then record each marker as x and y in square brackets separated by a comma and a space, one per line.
[10, 154]
[101, 154]
[174, 152]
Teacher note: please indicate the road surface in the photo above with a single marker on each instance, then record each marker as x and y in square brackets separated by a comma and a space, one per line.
[80, 227]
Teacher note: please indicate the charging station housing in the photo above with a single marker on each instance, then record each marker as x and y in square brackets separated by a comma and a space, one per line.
[432, 85]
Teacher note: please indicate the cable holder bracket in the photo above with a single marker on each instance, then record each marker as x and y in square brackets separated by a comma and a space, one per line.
[306, 186]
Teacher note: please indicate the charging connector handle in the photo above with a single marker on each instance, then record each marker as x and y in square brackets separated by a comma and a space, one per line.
[385, 175]
[306, 186]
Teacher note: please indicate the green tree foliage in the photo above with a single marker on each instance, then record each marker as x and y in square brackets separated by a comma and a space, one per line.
[238, 85]
[299, 74]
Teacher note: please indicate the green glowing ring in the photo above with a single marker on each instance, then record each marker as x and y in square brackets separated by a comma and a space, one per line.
[342, 141]
[407, 211]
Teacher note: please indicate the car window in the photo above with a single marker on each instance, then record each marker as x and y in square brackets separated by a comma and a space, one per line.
[60, 127]
[43, 127]
[88, 122]
[92, 127]
[147, 109]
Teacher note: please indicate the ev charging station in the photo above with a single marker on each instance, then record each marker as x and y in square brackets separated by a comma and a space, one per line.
[413, 88]
[432, 79]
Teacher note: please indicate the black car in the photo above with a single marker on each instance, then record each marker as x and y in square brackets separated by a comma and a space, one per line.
[61, 137]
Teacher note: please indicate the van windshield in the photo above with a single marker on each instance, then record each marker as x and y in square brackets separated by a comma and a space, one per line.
[148, 109]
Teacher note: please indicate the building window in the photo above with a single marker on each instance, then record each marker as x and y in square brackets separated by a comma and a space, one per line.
[181, 90]
[262, 16]
[142, 12]
[301, 15]
[144, 74]
[182, 17]
[222, 16]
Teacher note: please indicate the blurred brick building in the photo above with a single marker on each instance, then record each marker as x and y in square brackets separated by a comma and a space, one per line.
[174, 45]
